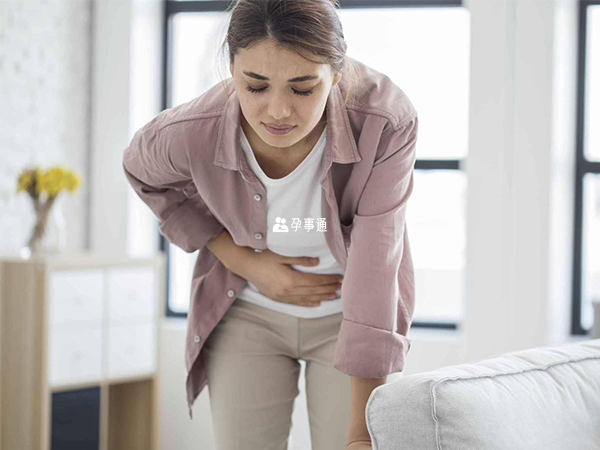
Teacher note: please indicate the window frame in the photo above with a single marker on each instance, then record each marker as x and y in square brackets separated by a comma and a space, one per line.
[172, 7]
[582, 168]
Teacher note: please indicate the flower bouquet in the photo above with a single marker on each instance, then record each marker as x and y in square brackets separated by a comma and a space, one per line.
[43, 188]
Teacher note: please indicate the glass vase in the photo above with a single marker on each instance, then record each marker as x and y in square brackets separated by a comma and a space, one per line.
[48, 235]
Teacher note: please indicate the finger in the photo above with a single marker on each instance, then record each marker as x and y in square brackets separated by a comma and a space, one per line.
[304, 279]
[301, 260]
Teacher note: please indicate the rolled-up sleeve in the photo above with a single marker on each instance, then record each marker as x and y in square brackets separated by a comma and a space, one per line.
[159, 172]
[372, 340]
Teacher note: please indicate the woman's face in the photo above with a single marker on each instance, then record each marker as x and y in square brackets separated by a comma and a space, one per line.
[263, 76]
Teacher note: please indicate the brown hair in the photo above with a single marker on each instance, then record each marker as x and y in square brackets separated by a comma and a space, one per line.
[308, 27]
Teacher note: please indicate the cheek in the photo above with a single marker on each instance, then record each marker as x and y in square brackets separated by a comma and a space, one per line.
[258, 105]
[312, 111]
[250, 107]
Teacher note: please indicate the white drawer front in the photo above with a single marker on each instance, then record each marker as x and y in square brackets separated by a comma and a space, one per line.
[74, 354]
[76, 296]
[131, 293]
[131, 349]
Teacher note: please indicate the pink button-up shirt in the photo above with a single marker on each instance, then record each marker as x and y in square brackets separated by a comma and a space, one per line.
[188, 166]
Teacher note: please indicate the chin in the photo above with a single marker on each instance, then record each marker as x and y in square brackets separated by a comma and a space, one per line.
[274, 140]
[278, 143]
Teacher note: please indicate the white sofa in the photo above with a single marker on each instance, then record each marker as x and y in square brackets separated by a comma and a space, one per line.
[545, 398]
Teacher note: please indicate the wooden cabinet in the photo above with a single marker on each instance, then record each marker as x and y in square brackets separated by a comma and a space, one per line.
[79, 346]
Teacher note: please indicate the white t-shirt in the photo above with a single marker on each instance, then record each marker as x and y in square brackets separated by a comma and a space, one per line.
[294, 208]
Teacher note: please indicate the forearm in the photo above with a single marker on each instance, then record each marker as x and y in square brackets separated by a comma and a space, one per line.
[227, 251]
[361, 390]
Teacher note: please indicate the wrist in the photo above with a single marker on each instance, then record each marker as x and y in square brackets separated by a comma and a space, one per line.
[226, 251]
[239, 260]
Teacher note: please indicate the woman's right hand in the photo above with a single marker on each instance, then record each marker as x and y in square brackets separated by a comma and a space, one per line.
[272, 275]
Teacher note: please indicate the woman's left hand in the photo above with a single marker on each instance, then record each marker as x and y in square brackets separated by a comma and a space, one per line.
[360, 445]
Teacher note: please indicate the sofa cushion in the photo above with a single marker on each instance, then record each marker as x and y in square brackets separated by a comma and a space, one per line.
[545, 398]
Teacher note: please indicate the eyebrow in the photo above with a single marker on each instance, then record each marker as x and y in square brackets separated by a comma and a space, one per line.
[291, 80]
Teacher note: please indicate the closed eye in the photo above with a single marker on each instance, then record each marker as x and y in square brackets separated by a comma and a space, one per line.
[257, 91]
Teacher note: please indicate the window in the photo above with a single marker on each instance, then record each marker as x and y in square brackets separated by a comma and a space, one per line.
[405, 44]
[586, 264]
[433, 72]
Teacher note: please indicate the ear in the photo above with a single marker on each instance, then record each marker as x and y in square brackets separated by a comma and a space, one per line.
[231, 68]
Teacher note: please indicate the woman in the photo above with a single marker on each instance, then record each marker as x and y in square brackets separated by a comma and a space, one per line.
[299, 132]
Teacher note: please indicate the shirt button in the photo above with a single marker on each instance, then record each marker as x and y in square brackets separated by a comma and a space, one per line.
[257, 197]
[258, 236]
[231, 292]
[196, 339]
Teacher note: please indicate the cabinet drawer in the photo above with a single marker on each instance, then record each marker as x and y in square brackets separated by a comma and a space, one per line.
[75, 296]
[74, 354]
[131, 293]
[131, 349]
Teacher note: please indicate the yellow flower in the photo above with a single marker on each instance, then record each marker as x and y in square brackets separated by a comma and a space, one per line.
[25, 180]
[72, 181]
[28, 179]
[51, 181]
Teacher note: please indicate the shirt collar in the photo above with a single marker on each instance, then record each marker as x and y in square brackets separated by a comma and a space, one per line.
[340, 143]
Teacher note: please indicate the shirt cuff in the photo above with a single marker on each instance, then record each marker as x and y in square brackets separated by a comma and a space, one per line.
[190, 226]
[369, 352]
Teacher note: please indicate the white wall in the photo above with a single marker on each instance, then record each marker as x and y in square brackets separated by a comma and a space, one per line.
[521, 152]
[126, 93]
[45, 115]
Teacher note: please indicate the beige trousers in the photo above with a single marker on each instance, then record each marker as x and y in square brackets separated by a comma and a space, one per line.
[252, 358]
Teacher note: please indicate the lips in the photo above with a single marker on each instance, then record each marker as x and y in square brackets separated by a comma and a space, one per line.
[279, 127]
[278, 131]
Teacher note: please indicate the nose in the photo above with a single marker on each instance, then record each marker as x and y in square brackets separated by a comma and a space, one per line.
[279, 106]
